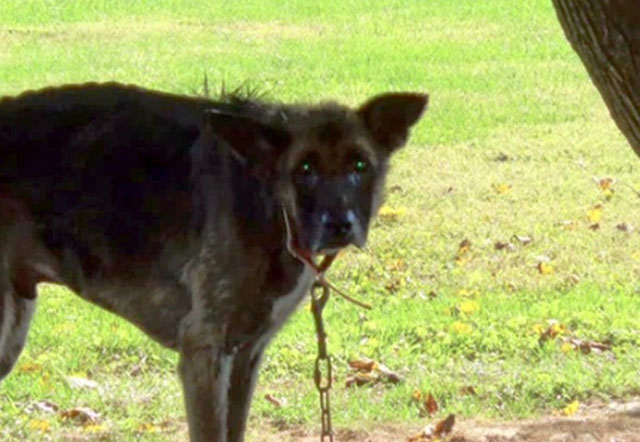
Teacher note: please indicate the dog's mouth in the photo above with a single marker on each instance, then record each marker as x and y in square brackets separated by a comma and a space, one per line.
[317, 260]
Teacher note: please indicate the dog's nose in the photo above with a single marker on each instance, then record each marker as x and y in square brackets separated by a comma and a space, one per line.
[339, 226]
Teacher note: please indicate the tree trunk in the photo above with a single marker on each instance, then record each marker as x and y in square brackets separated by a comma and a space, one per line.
[606, 36]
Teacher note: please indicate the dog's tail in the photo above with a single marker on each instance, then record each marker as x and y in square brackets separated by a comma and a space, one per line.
[15, 317]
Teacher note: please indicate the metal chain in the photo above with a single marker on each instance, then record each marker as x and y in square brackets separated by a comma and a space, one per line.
[323, 360]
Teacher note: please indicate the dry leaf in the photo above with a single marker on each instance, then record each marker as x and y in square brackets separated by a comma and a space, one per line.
[499, 245]
[605, 183]
[468, 307]
[430, 405]
[365, 365]
[502, 189]
[468, 390]
[81, 383]
[360, 379]
[81, 415]
[571, 409]
[40, 425]
[445, 426]
[368, 372]
[554, 330]
[29, 367]
[389, 375]
[523, 239]
[544, 268]
[274, 400]
[587, 346]
[569, 224]
[464, 247]
[146, 427]
[461, 327]
[43, 407]
[94, 428]
[594, 214]
[389, 214]
[624, 227]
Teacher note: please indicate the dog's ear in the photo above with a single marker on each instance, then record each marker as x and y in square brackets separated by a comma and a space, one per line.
[251, 142]
[388, 117]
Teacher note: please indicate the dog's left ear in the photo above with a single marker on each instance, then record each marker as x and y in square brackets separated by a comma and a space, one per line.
[252, 142]
[389, 117]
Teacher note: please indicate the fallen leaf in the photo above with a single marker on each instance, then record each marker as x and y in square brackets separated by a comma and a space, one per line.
[554, 330]
[569, 224]
[544, 268]
[80, 415]
[445, 426]
[430, 405]
[365, 365]
[464, 247]
[594, 214]
[274, 400]
[389, 214]
[360, 379]
[94, 428]
[81, 383]
[468, 390]
[624, 227]
[43, 407]
[29, 367]
[605, 183]
[461, 327]
[571, 409]
[586, 346]
[368, 372]
[389, 375]
[468, 307]
[499, 245]
[573, 279]
[146, 427]
[40, 425]
[502, 189]
[523, 239]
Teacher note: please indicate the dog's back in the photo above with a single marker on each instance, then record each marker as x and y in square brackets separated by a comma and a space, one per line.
[89, 175]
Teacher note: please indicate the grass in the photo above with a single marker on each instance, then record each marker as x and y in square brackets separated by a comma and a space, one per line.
[510, 147]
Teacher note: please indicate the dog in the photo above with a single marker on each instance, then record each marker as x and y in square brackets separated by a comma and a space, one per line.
[197, 220]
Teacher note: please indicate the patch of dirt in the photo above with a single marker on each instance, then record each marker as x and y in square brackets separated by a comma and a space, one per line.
[611, 423]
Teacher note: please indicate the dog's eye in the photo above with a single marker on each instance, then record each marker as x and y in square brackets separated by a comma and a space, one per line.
[306, 167]
[360, 165]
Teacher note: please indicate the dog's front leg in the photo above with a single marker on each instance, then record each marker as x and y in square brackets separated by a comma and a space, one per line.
[205, 371]
[243, 380]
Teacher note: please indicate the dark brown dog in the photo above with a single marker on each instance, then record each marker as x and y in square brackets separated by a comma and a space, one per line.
[193, 219]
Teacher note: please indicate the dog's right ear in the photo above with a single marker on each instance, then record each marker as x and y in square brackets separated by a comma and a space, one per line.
[252, 142]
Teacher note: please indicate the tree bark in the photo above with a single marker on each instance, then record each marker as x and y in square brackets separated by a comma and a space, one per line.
[606, 36]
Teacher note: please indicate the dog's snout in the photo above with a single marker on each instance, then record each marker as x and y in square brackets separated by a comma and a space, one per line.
[339, 226]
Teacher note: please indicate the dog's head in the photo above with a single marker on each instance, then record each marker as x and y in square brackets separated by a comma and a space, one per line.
[326, 163]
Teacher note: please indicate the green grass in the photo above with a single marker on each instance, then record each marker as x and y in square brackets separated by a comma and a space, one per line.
[503, 81]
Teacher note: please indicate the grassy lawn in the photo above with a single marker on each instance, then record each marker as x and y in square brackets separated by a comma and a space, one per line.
[511, 157]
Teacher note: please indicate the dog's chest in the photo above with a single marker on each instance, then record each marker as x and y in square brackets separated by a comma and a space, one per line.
[285, 305]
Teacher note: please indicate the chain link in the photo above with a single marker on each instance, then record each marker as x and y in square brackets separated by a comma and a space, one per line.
[323, 373]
